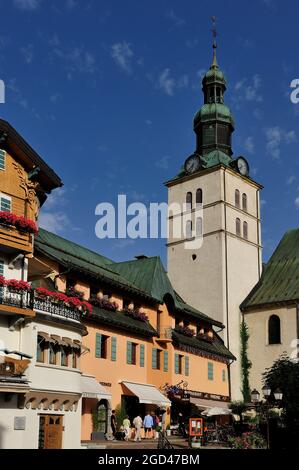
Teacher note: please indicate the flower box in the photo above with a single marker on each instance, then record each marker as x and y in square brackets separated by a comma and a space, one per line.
[21, 223]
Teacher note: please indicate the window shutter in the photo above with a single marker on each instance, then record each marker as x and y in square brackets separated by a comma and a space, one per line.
[165, 361]
[154, 358]
[176, 364]
[142, 349]
[223, 375]
[210, 371]
[2, 159]
[186, 366]
[98, 344]
[1, 267]
[113, 348]
[129, 352]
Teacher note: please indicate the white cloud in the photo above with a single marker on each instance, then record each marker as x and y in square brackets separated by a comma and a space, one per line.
[169, 84]
[249, 144]
[176, 20]
[77, 59]
[248, 90]
[275, 136]
[148, 122]
[71, 4]
[163, 163]
[27, 5]
[122, 55]
[27, 53]
[56, 199]
[55, 222]
[291, 179]
[297, 202]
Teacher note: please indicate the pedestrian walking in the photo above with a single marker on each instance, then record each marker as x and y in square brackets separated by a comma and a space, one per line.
[181, 423]
[127, 426]
[113, 422]
[148, 424]
[137, 422]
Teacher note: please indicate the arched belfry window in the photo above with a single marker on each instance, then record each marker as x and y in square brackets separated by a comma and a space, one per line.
[189, 229]
[199, 196]
[244, 202]
[189, 201]
[237, 198]
[199, 226]
[238, 227]
[245, 230]
[274, 330]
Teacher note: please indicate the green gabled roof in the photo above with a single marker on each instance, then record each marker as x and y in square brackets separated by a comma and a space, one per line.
[122, 321]
[192, 344]
[149, 274]
[78, 258]
[280, 278]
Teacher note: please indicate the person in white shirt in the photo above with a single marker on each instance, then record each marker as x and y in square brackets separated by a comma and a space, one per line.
[137, 422]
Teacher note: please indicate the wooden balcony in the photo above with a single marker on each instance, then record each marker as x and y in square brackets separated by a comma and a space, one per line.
[15, 240]
[16, 303]
[165, 335]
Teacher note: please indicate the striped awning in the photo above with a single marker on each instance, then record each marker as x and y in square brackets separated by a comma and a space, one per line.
[147, 394]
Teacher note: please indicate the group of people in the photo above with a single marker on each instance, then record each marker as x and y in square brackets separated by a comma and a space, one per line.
[149, 423]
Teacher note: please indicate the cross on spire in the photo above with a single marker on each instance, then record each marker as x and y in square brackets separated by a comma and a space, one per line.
[215, 34]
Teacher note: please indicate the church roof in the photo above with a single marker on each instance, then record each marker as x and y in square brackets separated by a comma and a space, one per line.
[280, 278]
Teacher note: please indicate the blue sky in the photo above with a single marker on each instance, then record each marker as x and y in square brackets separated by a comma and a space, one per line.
[106, 91]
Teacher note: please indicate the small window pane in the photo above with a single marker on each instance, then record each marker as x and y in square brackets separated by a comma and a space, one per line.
[189, 201]
[198, 226]
[244, 202]
[1, 268]
[238, 226]
[63, 352]
[5, 204]
[245, 230]
[2, 159]
[237, 198]
[274, 330]
[189, 229]
[199, 196]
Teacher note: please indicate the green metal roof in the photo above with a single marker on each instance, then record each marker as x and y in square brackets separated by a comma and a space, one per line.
[149, 275]
[122, 321]
[212, 111]
[280, 278]
[215, 348]
[77, 258]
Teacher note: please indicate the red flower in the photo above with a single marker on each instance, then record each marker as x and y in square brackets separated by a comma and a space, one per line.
[18, 285]
[20, 222]
[2, 281]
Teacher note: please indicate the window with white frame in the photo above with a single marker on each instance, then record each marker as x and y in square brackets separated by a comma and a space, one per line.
[5, 203]
[2, 159]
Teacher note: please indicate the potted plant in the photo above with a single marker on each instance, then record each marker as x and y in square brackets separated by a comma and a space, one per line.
[196, 442]
[157, 430]
[168, 430]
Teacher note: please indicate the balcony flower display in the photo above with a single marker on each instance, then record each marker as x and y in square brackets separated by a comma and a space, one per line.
[19, 222]
[104, 303]
[72, 292]
[60, 297]
[185, 330]
[15, 285]
[136, 314]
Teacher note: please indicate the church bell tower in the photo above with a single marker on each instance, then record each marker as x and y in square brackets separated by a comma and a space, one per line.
[217, 276]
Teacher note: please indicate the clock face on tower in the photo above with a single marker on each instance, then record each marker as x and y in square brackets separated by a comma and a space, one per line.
[242, 166]
[192, 163]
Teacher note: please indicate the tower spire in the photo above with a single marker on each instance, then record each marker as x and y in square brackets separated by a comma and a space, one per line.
[214, 32]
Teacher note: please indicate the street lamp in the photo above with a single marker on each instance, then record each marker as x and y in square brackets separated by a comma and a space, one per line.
[266, 391]
[278, 395]
[255, 396]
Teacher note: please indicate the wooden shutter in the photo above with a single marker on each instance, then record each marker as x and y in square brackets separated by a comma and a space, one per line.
[210, 371]
[186, 366]
[154, 358]
[165, 361]
[98, 344]
[113, 348]
[129, 352]
[142, 350]
[176, 364]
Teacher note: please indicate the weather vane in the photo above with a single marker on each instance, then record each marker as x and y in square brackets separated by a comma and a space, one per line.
[214, 30]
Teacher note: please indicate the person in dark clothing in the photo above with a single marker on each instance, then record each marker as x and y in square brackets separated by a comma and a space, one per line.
[181, 423]
[113, 422]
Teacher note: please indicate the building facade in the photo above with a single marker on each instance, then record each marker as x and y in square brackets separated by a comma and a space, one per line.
[219, 204]
[271, 311]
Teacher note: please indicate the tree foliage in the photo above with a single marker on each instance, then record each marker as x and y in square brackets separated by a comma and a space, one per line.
[245, 362]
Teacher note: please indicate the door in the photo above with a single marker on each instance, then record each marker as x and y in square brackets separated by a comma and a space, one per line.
[50, 431]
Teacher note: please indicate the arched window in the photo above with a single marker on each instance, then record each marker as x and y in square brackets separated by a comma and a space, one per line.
[245, 230]
[189, 229]
[199, 226]
[238, 227]
[189, 201]
[199, 196]
[244, 202]
[274, 329]
[40, 349]
[237, 198]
